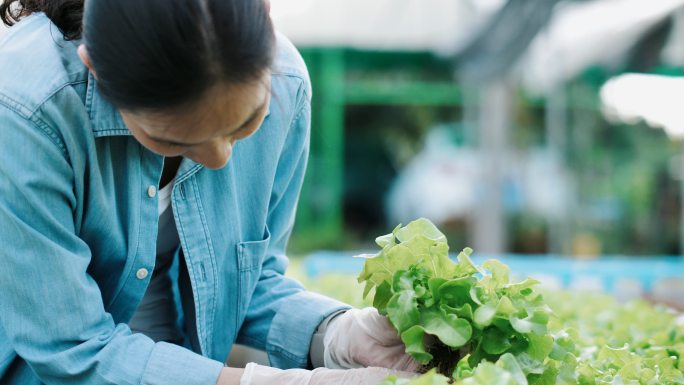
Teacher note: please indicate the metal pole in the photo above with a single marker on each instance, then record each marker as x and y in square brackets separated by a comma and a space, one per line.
[680, 172]
[495, 122]
[556, 125]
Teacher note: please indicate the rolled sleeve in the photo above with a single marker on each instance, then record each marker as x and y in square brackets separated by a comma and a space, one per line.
[170, 363]
[294, 325]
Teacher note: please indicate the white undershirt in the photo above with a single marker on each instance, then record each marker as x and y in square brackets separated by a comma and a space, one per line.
[157, 313]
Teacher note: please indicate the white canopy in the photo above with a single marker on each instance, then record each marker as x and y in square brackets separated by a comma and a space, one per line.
[654, 99]
[589, 33]
[438, 25]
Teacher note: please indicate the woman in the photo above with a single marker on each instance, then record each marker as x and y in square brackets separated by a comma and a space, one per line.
[133, 251]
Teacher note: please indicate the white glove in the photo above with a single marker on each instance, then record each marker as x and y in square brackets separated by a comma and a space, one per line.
[362, 337]
[263, 375]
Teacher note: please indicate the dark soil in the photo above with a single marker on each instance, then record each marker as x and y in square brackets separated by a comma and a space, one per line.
[445, 358]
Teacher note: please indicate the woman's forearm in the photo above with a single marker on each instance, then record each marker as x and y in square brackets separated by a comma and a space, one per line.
[230, 376]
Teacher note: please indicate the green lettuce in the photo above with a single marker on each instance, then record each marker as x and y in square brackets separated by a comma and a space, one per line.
[454, 315]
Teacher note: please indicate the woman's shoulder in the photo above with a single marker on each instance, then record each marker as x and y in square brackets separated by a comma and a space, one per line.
[289, 62]
[36, 63]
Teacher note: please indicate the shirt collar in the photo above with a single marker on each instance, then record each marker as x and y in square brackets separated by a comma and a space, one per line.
[104, 117]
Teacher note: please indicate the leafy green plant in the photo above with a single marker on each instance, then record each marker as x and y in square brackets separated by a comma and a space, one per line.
[636, 343]
[452, 316]
[469, 325]
[429, 378]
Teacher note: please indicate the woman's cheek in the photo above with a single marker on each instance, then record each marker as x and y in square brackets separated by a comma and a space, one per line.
[248, 132]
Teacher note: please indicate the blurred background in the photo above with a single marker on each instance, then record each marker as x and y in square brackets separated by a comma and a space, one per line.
[487, 117]
[546, 133]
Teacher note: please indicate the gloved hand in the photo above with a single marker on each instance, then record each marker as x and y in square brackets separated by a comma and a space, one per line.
[263, 375]
[362, 337]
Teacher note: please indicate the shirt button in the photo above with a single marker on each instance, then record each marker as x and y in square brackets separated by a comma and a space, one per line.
[142, 273]
[151, 191]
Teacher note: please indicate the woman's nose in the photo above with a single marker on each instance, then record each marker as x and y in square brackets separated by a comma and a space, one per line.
[214, 154]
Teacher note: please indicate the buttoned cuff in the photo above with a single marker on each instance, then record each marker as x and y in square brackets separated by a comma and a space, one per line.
[172, 364]
[294, 325]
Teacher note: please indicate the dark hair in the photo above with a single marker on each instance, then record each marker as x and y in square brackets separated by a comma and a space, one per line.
[160, 54]
[66, 14]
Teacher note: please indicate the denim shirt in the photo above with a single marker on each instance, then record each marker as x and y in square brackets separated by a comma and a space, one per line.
[78, 222]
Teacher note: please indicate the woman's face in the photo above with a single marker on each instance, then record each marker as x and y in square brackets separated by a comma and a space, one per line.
[206, 132]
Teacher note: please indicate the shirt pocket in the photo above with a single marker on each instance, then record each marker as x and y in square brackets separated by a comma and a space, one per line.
[250, 256]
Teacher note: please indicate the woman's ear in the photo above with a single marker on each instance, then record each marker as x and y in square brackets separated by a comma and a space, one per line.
[85, 58]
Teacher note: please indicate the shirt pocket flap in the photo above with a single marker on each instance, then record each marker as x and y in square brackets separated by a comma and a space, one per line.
[251, 253]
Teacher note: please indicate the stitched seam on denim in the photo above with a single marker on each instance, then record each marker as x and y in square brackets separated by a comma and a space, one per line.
[131, 266]
[56, 139]
[111, 131]
[303, 107]
[300, 75]
[188, 174]
[239, 319]
[25, 111]
[252, 340]
[15, 106]
[36, 122]
[303, 79]
[31, 115]
[280, 351]
[275, 346]
[250, 244]
[193, 273]
[90, 95]
[58, 90]
[212, 260]
[90, 90]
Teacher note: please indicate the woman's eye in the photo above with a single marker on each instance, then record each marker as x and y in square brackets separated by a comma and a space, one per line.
[171, 148]
[172, 145]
